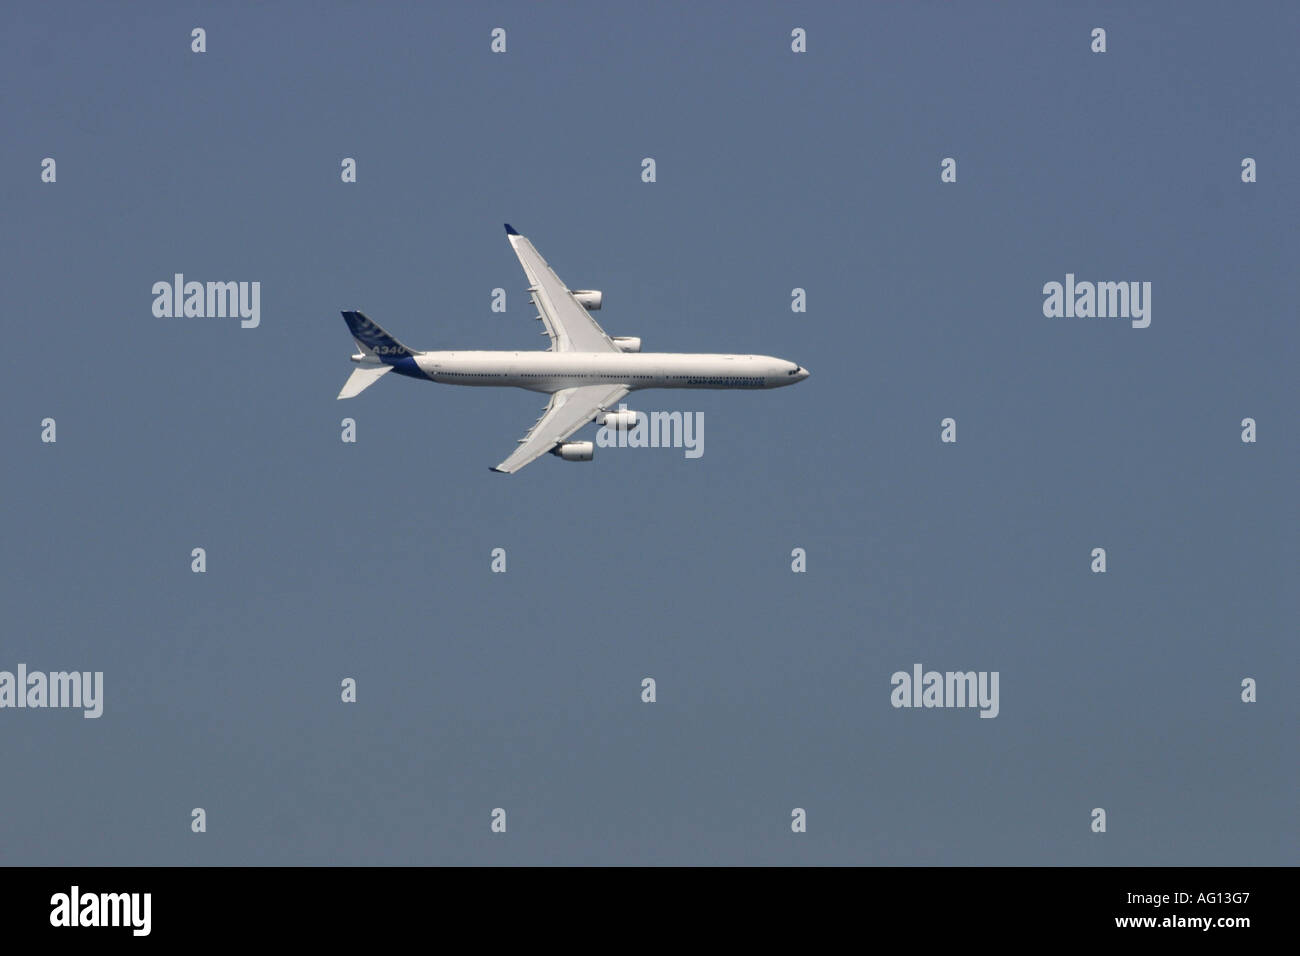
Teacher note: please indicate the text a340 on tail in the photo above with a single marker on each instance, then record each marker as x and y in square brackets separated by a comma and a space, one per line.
[585, 372]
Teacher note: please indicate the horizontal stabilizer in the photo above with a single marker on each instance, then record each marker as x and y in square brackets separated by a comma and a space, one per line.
[362, 378]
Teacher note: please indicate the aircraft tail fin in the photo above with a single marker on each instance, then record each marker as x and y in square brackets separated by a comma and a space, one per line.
[375, 340]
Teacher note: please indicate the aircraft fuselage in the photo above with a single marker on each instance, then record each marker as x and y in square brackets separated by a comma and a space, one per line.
[551, 371]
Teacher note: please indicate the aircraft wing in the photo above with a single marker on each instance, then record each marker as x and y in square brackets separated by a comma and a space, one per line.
[569, 410]
[570, 326]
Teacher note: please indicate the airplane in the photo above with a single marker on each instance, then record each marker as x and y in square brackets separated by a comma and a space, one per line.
[585, 371]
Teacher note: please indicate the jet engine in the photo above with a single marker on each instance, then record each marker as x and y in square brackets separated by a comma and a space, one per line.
[627, 343]
[589, 299]
[623, 418]
[576, 451]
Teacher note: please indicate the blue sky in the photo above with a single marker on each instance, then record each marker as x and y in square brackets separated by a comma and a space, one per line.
[521, 690]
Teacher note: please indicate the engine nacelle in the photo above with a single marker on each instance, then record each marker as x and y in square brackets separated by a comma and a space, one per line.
[576, 451]
[623, 418]
[627, 343]
[589, 299]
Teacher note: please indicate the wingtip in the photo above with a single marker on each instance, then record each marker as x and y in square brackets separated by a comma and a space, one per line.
[511, 230]
[499, 471]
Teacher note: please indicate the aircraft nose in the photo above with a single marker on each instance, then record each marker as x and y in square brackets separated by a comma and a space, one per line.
[803, 373]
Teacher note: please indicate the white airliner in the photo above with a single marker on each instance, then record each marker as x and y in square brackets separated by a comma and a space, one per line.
[585, 371]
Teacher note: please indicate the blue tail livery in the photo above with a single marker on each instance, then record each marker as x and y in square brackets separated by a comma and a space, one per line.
[386, 348]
